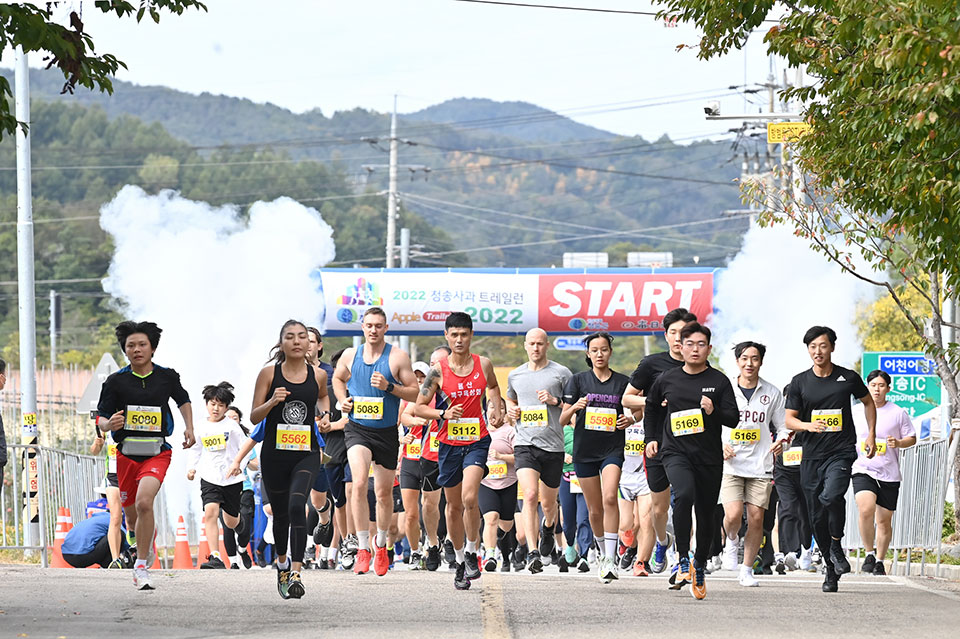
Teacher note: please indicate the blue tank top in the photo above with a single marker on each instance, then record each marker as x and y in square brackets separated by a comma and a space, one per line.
[372, 407]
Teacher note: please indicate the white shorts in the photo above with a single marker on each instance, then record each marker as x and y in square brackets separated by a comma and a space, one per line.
[633, 485]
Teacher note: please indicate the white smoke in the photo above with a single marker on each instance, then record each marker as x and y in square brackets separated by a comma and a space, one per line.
[220, 286]
[773, 291]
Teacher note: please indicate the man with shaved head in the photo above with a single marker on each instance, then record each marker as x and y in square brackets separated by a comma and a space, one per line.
[534, 392]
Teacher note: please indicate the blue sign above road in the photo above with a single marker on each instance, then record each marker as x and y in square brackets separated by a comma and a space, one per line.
[569, 344]
[907, 365]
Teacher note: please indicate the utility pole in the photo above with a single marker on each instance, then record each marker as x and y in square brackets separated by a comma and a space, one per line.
[405, 263]
[393, 167]
[54, 327]
[26, 303]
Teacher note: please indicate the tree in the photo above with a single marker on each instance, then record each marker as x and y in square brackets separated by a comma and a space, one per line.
[70, 49]
[882, 326]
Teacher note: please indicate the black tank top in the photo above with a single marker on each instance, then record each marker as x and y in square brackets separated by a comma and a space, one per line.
[291, 424]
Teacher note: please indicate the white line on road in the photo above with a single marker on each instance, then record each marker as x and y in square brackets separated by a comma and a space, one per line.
[492, 609]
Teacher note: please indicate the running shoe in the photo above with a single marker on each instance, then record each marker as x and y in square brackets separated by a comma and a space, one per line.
[681, 576]
[433, 558]
[234, 566]
[505, 565]
[839, 558]
[534, 563]
[261, 558]
[879, 570]
[212, 562]
[460, 581]
[730, 550]
[563, 565]
[362, 564]
[583, 565]
[116, 563]
[283, 582]
[519, 558]
[747, 579]
[416, 561]
[607, 570]
[869, 564]
[332, 564]
[245, 558]
[547, 539]
[323, 533]
[472, 566]
[141, 578]
[659, 561]
[781, 567]
[390, 558]
[449, 555]
[628, 557]
[570, 554]
[699, 586]
[816, 557]
[640, 569]
[294, 586]
[831, 582]
[490, 564]
[791, 561]
[352, 544]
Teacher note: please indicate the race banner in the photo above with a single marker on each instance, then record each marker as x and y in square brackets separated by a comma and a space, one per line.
[512, 301]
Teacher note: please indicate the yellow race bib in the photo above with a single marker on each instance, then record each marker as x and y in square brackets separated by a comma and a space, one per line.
[293, 437]
[147, 419]
[533, 416]
[214, 443]
[434, 442]
[368, 407]
[745, 436]
[881, 446]
[111, 458]
[633, 445]
[497, 469]
[464, 430]
[686, 422]
[832, 418]
[793, 456]
[414, 448]
[602, 419]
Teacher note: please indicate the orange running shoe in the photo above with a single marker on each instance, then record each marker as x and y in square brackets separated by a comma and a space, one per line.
[381, 562]
[362, 564]
[699, 586]
[640, 569]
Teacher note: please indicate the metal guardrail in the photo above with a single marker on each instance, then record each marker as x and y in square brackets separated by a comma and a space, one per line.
[918, 520]
[13, 523]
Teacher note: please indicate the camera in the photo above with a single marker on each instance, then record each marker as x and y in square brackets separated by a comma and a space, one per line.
[712, 107]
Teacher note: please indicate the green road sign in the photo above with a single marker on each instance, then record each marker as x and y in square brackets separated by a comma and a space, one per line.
[915, 386]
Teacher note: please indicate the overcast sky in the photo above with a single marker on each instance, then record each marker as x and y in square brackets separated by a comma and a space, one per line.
[337, 55]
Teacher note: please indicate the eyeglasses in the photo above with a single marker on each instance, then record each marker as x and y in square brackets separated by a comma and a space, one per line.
[693, 344]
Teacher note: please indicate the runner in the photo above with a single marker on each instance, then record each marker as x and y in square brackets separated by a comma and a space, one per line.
[818, 406]
[411, 474]
[285, 401]
[498, 493]
[463, 380]
[876, 482]
[636, 526]
[134, 406]
[793, 519]
[534, 401]
[112, 493]
[239, 538]
[369, 383]
[218, 441]
[748, 460]
[646, 373]
[598, 441]
[686, 409]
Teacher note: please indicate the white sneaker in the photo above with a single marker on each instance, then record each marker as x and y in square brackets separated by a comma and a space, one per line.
[717, 563]
[806, 561]
[790, 560]
[141, 579]
[729, 561]
[746, 577]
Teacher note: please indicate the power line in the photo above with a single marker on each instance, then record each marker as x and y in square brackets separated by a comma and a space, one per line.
[556, 6]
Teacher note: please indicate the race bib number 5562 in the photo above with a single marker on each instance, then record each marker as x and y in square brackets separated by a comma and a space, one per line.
[293, 437]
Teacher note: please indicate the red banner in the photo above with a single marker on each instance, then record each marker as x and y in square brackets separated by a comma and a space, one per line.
[620, 302]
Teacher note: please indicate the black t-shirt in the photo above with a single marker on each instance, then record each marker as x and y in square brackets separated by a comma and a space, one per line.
[681, 427]
[650, 368]
[590, 445]
[336, 447]
[829, 398]
[136, 396]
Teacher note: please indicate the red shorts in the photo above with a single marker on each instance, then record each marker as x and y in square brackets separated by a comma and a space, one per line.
[129, 474]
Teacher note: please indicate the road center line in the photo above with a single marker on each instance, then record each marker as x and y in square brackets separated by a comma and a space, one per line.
[492, 609]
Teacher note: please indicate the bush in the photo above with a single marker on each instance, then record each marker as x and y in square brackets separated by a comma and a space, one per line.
[949, 520]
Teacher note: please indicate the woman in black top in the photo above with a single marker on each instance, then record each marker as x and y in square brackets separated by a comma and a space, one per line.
[285, 401]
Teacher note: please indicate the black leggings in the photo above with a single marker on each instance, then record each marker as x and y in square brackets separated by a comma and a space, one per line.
[99, 555]
[695, 487]
[825, 483]
[794, 518]
[288, 485]
[239, 536]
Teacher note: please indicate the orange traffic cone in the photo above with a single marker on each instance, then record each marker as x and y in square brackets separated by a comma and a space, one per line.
[181, 551]
[203, 550]
[60, 533]
[223, 551]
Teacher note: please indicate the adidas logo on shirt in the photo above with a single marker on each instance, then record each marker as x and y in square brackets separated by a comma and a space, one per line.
[841, 379]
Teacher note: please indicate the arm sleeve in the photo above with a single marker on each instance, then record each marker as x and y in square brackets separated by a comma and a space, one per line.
[640, 379]
[858, 388]
[654, 415]
[178, 393]
[907, 429]
[794, 400]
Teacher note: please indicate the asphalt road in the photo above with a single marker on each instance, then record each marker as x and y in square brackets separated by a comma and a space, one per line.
[187, 604]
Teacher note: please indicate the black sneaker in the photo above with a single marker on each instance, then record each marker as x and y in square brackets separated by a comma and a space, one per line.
[261, 559]
[323, 533]
[490, 564]
[472, 563]
[322, 565]
[433, 558]
[247, 561]
[879, 570]
[520, 558]
[449, 555]
[294, 586]
[839, 558]
[547, 540]
[831, 582]
[283, 582]
[628, 558]
[583, 565]
[234, 566]
[460, 581]
[212, 562]
[505, 565]
[869, 564]
[534, 563]
[562, 564]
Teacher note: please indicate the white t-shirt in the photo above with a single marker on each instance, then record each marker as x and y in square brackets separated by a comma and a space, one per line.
[217, 446]
[752, 438]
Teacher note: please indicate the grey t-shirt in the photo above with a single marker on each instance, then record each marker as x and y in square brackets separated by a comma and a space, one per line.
[522, 387]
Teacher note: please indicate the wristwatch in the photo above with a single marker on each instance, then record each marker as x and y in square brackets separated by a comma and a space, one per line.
[442, 415]
[390, 387]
